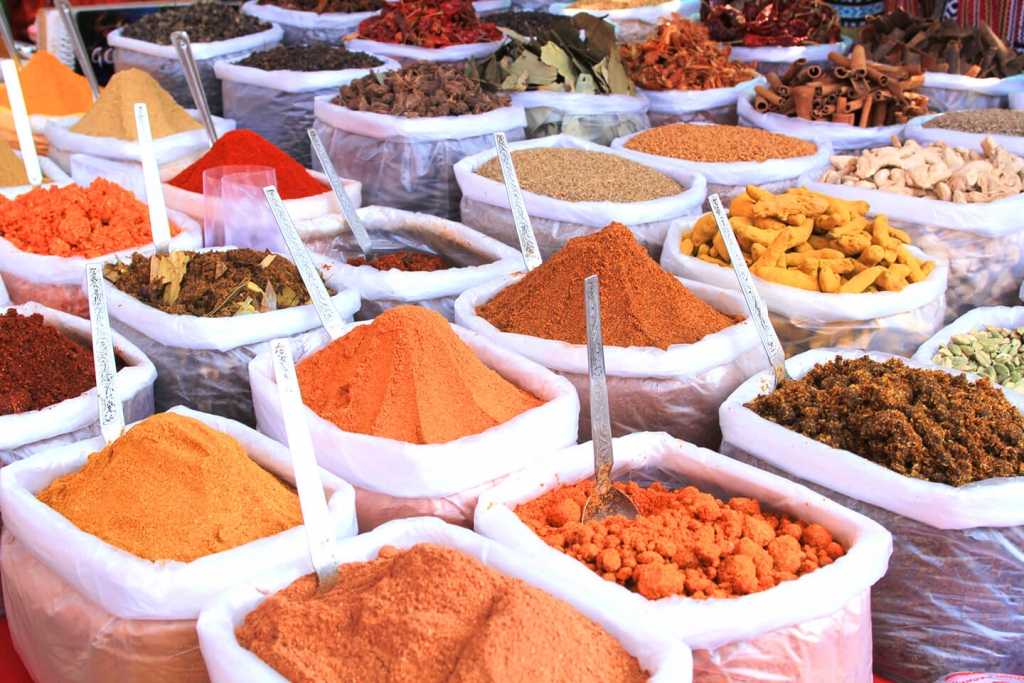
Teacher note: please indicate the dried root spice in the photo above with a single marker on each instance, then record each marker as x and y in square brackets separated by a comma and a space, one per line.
[205, 22]
[39, 366]
[926, 424]
[172, 488]
[641, 304]
[683, 542]
[421, 89]
[579, 175]
[718, 143]
[681, 56]
[409, 261]
[433, 615]
[310, 58]
[213, 284]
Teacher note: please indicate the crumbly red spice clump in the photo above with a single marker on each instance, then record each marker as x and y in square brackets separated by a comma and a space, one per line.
[920, 423]
[409, 261]
[684, 542]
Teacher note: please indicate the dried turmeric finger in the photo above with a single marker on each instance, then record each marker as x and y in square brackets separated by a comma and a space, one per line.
[686, 247]
[755, 234]
[853, 245]
[852, 227]
[905, 257]
[820, 242]
[756, 194]
[810, 266]
[723, 253]
[712, 259]
[844, 266]
[790, 278]
[803, 248]
[702, 250]
[846, 210]
[894, 279]
[861, 281]
[872, 255]
[927, 267]
[880, 232]
[828, 281]
[757, 250]
[742, 206]
[704, 229]
[766, 223]
[899, 234]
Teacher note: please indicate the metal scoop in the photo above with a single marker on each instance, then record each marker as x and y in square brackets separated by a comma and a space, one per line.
[758, 311]
[111, 411]
[183, 47]
[606, 500]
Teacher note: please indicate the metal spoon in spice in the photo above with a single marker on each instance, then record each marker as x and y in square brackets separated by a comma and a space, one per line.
[355, 223]
[527, 240]
[21, 122]
[606, 500]
[758, 311]
[111, 411]
[81, 54]
[158, 223]
[315, 516]
[195, 85]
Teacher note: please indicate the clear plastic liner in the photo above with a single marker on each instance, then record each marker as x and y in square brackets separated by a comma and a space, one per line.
[775, 59]
[952, 92]
[998, 316]
[308, 28]
[597, 118]
[717, 105]
[5, 300]
[475, 258]
[815, 629]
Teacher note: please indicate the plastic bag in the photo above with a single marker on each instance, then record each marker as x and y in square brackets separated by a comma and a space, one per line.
[485, 204]
[771, 632]
[407, 54]
[64, 143]
[80, 609]
[279, 104]
[475, 258]
[998, 316]
[953, 92]
[915, 130]
[57, 281]
[407, 163]
[844, 137]
[975, 677]
[951, 598]
[485, 7]
[202, 362]
[454, 472]
[717, 105]
[51, 172]
[676, 391]
[597, 118]
[894, 321]
[984, 243]
[75, 419]
[635, 24]
[161, 61]
[667, 661]
[4, 299]
[730, 179]
[308, 28]
[775, 59]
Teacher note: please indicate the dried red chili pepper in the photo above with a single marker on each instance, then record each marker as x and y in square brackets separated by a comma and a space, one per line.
[773, 22]
[429, 23]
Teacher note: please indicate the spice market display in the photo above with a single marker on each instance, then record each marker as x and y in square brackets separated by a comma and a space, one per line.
[872, 172]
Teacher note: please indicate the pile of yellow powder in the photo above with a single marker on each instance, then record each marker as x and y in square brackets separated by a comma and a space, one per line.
[113, 115]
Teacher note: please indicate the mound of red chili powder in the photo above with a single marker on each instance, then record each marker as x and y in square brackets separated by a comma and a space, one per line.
[430, 614]
[246, 148]
[641, 304]
[38, 365]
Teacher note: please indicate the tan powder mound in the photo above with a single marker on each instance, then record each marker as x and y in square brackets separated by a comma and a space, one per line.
[12, 169]
[407, 376]
[172, 488]
[113, 114]
[432, 615]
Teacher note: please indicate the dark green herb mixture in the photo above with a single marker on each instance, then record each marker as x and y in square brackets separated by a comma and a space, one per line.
[927, 424]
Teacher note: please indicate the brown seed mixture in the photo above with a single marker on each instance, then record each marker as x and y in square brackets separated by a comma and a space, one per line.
[927, 424]
[684, 542]
[421, 89]
[981, 121]
[718, 144]
[430, 614]
[578, 175]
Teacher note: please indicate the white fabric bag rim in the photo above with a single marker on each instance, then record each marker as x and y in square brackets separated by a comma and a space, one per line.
[998, 316]
[295, 81]
[220, 334]
[737, 172]
[686, 101]
[773, 53]
[645, 13]
[397, 285]
[581, 104]
[75, 413]
[668, 659]
[309, 21]
[988, 219]
[591, 214]
[451, 53]
[422, 462]
[200, 51]
[701, 624]
[800, 305]
[47, 269]
[145, 589]
[978, 86]
[389, 127]
[679, 361]
[988, 503]
[916, 131]
[50, 170]
[840, 134]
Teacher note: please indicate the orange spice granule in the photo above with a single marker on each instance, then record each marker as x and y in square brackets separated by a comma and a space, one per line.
[76, 221]
[683, 543]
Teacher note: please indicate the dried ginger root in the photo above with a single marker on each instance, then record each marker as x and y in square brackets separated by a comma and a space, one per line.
[811, 241]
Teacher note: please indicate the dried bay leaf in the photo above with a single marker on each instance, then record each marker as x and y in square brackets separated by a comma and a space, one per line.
[166, 271]
[269, 301]
[555, 56]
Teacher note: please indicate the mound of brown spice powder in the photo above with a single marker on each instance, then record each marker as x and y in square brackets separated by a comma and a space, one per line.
[408, 376]
[172, 488]
[39, 366]
[684, 542]
[641, 304]
[920, 423]
[430, 614]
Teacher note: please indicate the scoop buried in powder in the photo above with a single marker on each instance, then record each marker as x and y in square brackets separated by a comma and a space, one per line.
[408, 376]
[172, 488]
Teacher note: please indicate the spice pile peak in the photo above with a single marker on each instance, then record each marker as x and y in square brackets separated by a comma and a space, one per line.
[12, 169]
[50, 88]
[113, 114]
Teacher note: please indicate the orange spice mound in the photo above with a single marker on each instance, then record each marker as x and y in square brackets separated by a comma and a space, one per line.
[408, 376]
[683, 543]
[76, 221]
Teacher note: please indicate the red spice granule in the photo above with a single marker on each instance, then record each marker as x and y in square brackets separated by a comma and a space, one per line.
[409, 261]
